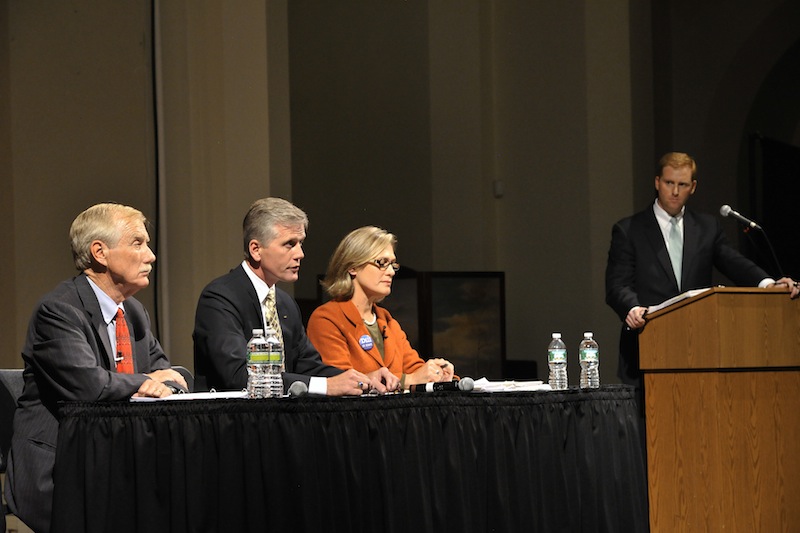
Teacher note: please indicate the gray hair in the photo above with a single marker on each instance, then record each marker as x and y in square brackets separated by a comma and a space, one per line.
[104, 222]
[265, 215]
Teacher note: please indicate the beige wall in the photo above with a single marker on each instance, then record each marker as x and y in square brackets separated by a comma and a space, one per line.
[464, 213]
[215, 147]
[8, 318]
[79, 120]
[78, 126]
[518, 94]
[361, 132]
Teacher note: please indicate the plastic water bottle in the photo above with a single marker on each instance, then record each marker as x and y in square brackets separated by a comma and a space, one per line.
[557, 361]
[589, 355]
[276, 364]
[258, 366]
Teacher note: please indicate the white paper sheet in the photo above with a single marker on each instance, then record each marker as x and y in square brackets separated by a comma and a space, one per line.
[484, 385]
[194, 396]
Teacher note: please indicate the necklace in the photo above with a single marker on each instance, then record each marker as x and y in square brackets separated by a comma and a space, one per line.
[371, 322]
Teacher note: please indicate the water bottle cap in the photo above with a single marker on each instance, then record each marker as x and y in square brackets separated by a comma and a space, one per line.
[556, 335]
[588, 334]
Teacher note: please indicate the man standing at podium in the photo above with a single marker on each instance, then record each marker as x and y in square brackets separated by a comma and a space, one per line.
[665, 250]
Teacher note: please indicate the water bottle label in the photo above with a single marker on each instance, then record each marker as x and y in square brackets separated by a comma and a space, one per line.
[275, 357]
[557, 356]
[258, 357]
[588, 355]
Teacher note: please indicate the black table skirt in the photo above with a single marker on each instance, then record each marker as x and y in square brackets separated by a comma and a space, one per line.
[545, 461]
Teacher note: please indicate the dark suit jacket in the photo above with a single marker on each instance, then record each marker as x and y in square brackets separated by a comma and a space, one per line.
[227, 313]
[639, 272]
[67, 357]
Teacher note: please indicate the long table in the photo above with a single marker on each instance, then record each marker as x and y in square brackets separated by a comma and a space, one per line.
[540, 461]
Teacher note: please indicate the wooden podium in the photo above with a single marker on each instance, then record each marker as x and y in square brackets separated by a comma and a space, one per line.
[722, 400]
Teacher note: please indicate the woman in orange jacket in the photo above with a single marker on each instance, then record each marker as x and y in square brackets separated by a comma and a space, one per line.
[352, 331]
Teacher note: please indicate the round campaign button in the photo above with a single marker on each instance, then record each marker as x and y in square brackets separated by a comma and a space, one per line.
[366, 342]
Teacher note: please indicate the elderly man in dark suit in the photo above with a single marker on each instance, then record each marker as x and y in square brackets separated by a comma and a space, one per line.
[88, 340]
[231, 306]
[665, 250]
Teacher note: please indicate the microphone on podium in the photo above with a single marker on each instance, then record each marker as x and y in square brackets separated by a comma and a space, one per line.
[726, 210]
[464, 384]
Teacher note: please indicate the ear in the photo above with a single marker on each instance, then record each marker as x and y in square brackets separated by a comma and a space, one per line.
[254, 247]
[99, 252]
[694, 186]
[658, 178]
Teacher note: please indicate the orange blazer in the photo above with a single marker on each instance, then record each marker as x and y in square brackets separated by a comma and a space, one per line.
[335, 329]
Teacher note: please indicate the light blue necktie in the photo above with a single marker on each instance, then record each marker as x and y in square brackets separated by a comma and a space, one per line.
[675, 248]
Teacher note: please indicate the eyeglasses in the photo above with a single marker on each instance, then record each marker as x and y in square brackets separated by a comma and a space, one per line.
[383, 264]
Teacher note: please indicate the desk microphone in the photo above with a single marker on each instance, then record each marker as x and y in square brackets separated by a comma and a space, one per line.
[298, 388]
[465, 384]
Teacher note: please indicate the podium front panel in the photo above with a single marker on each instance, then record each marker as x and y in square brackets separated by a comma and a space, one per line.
[722, 451]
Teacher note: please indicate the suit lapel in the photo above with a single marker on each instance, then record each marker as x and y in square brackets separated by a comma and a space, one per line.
[354, 317]
[246, 287]
[656, 240]
[92, 308]
[283, 317]
[691, 243]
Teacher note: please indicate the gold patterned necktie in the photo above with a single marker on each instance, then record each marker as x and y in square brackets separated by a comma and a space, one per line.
[675, 248]
[271, 315]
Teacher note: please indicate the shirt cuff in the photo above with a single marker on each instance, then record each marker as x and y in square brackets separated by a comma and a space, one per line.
[318, 385]
[766, 282]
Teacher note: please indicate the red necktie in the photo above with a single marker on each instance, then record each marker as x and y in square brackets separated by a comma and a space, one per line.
[124, 353]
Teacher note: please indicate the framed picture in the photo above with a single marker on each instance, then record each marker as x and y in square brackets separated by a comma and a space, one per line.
[459, 316]
[465, 314]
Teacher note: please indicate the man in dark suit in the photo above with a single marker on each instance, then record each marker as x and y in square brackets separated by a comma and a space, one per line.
[74, 350]
[665, 250]
[231, 306]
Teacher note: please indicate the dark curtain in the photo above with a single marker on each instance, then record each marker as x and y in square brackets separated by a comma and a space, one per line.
[775, 186]
[553, 461]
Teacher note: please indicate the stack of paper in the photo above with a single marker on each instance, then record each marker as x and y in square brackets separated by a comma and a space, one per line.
[484, 385]
[675, 299]
[194, 396]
